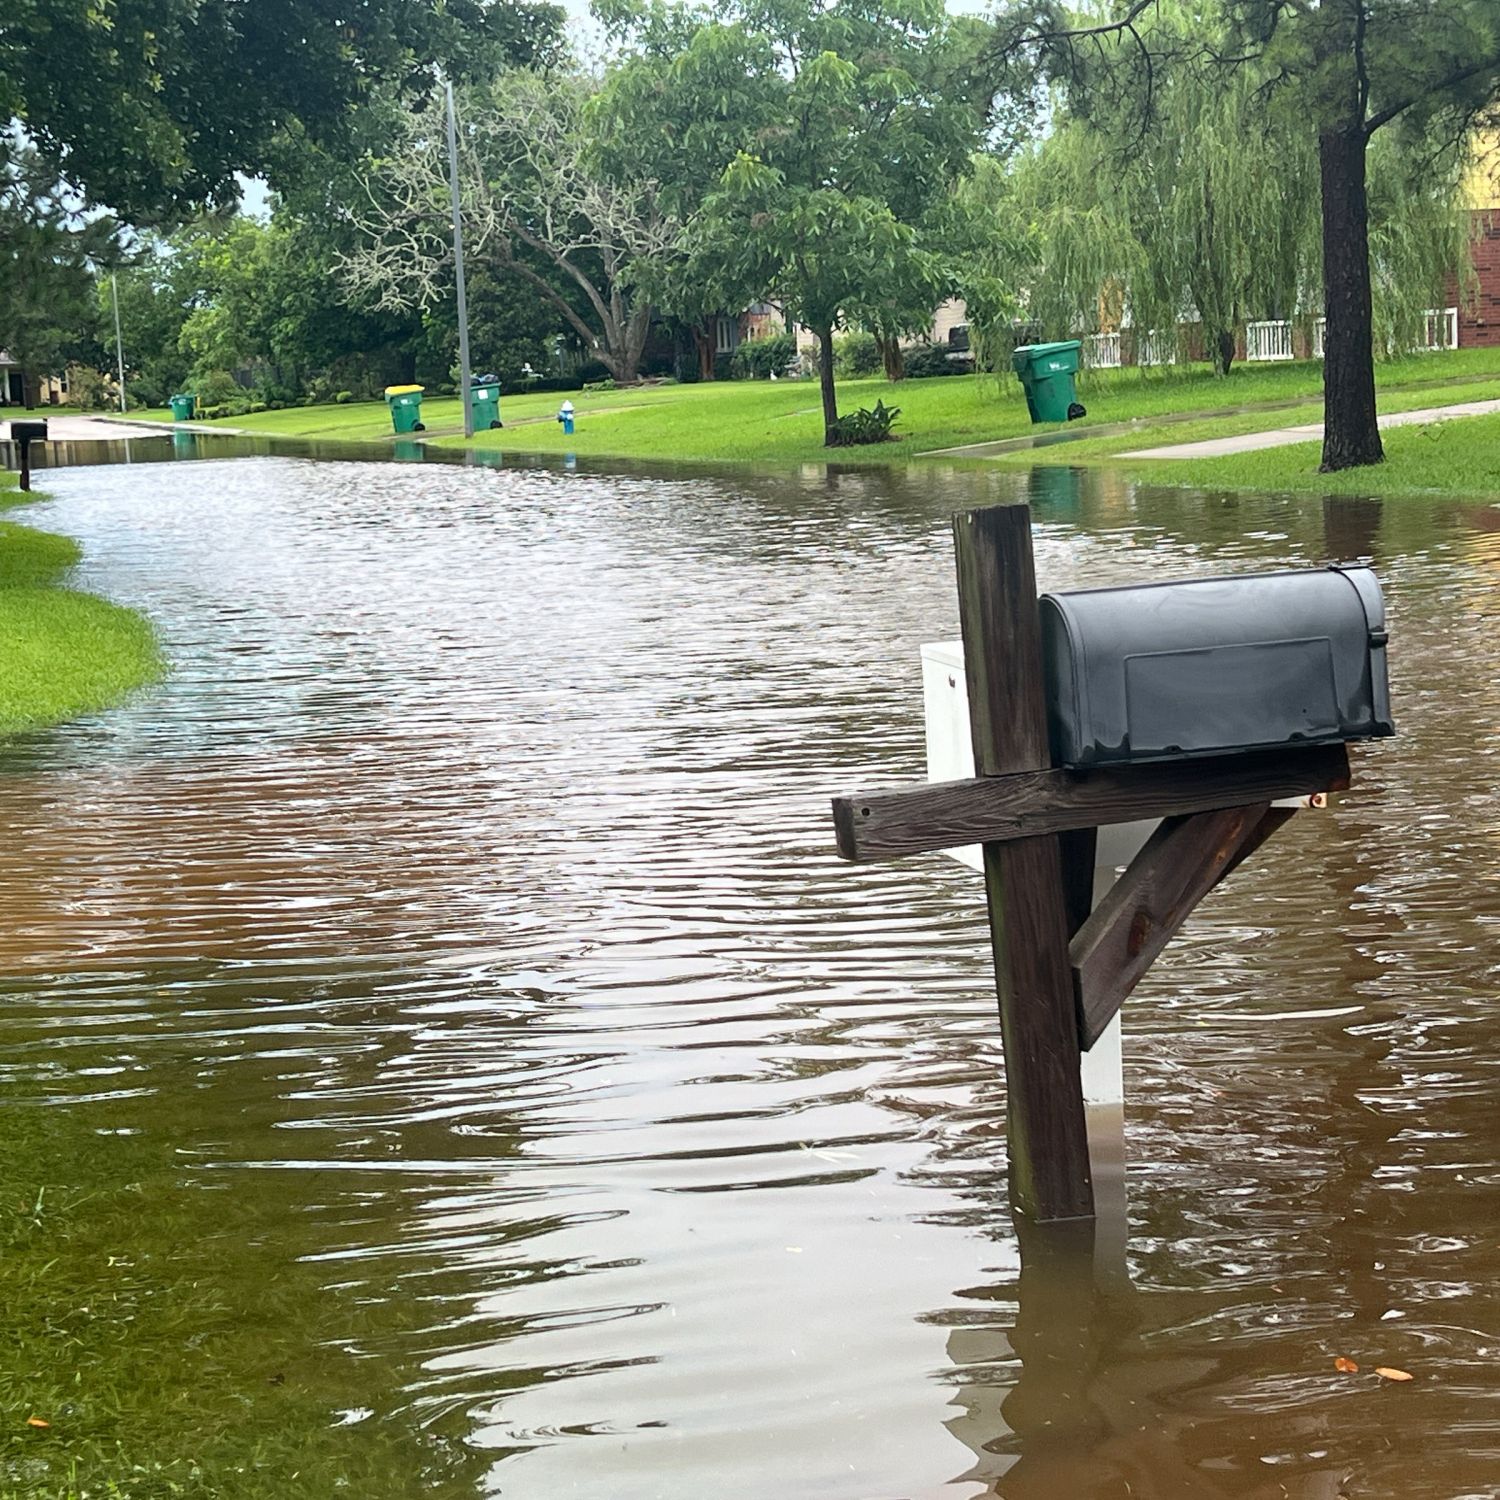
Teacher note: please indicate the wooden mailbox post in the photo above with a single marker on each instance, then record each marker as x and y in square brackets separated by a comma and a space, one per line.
[1061, 970]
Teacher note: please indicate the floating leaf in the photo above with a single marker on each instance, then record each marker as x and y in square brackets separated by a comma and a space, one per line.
[1387, 1373]
[37, 1422]
[1346, 1366]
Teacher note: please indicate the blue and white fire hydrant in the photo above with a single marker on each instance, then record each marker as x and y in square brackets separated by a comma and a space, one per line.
[565, 416]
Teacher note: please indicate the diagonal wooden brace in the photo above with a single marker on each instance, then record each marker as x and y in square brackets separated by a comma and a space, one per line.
[1178, 866]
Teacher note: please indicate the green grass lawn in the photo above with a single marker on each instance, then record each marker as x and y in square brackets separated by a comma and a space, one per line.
[1097, 450]
[1457, 457]
[62, 653]
[162, 1341]
[780, 423]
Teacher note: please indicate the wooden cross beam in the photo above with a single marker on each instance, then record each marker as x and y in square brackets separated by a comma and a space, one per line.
[1061, 971]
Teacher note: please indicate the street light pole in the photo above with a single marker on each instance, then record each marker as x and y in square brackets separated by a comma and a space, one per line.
[114, 294]
[464, 391]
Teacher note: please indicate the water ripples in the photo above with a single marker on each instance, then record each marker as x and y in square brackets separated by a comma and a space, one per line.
[471, 880]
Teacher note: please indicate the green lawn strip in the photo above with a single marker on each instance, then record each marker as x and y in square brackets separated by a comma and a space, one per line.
[1095, 450]
[62, 652]
[173, 1345]
[781, 422]
[1458, 456]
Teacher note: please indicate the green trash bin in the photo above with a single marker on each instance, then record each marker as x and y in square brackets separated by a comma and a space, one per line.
[484, 401]
[182, 407]
[405, 402]
[1047, 372]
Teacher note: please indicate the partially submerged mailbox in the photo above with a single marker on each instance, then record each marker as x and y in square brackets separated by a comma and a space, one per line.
[1214, 666]
[23, 435]
[1203, 705]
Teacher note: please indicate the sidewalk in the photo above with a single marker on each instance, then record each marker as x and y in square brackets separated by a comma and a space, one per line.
[76, 429]
[1312, 432]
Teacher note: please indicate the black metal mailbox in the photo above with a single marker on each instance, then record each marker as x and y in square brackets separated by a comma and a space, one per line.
[1216, 665]
[28, 432]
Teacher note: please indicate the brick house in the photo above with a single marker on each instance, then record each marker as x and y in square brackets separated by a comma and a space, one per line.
[1479, 314]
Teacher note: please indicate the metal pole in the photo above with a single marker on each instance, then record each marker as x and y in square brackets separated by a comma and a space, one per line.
[464, 388]
[114, 293]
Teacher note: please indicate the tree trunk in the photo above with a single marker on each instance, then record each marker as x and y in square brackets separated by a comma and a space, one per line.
[825, 378]
[1221, 351]
[891, 356]
[1351, 436]
[703, 342]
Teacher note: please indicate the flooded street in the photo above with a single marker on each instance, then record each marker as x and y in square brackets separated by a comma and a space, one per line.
[456, 936]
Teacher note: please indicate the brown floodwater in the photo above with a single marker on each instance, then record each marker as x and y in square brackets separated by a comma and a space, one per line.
[466, 899]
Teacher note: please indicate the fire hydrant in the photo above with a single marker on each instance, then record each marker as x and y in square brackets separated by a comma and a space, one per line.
[565, 416]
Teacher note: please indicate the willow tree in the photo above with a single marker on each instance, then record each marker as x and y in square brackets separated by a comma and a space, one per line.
[1339, 73]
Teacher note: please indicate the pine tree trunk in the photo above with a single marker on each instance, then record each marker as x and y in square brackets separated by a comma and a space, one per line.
[1351, 436]
[825, 378]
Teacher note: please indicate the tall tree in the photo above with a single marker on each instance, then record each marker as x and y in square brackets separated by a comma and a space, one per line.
[823, 138]
[49, 253]
[536, 203]
[1345, 70]
[154, 105]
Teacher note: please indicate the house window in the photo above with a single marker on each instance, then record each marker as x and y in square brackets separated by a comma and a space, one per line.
[726, 335]
[1440, 328]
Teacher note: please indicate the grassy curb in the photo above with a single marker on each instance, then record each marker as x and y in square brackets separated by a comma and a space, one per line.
[62, 653]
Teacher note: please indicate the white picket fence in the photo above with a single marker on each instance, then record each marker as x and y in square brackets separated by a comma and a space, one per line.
[1269, 340]
[1439, 331]
[1156, 347]
[1104, 351]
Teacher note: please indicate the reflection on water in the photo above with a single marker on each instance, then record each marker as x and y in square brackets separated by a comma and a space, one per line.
[467, 894]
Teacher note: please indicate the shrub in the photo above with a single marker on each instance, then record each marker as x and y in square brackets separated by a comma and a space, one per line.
[591, 369]
[600, 385]
[343, 398]
[927, 360]
[759, 359]
[863, 426]
[146, 392]
[215, 388]
[88, 389]
[857, 354]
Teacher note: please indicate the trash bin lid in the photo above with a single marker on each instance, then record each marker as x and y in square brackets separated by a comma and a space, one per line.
[1040, 351]
[403, 390]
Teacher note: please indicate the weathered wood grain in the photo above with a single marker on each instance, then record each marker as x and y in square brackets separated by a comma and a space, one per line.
[997, 610]
[1180, 863]
[1275, 820]
[918, 819]
[1028, 906]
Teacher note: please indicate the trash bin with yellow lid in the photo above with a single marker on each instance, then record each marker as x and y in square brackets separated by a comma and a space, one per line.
[405, 402]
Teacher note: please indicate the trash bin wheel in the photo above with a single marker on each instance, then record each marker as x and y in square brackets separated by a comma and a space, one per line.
[419, 427]
[494, 425]
[1076, 410]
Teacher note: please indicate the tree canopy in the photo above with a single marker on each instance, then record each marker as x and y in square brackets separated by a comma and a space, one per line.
[152, 106]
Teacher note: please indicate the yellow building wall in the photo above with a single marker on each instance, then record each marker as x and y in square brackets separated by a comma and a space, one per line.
[1482, 183]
